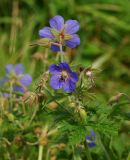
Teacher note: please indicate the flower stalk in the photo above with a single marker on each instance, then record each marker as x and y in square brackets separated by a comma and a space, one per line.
[40, 154]
[87, 152]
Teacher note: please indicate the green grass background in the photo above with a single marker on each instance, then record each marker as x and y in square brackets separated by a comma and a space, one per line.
[104, 32]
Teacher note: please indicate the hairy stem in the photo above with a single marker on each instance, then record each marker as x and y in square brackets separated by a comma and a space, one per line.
[61, 50]
[87, 153]
[104, 149]
[40, 154]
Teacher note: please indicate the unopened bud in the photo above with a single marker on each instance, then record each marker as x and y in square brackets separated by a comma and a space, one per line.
[83, 114]
[72, 104]
[18, 139]
[53, 151]
[43, 141]
[42, 42]
[38, 131]
[52, 105]
[38, 56]
[62, 146]
[53, 158]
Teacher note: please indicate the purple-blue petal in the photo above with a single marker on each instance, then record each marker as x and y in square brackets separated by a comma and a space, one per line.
[68, 86]
[91, 144]
[72, 26]
[55, 48]
[18, 89]
[74, 77]
[45, 33]
[64, 66]
[73, 42]
[54, 69]
[26, 80]
[57, 22]
[90, 139]
[19, 69]
[9, 68]
[55, 82]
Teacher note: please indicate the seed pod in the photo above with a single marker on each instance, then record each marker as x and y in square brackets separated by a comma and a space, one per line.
[62, 146]
[38, 131]
[43, 141]
[53, 158]
[53, 151]
[18, 139]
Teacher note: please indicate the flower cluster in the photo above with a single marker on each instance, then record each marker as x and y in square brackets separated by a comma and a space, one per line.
[16, 78]
[62, 33]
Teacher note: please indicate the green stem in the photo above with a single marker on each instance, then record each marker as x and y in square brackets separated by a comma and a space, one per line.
[87, 152]
[40, 154]
[61, 50]
[33, 115]
[104, 149]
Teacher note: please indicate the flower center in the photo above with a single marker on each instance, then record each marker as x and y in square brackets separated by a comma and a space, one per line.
[64, 75]
[62, 35]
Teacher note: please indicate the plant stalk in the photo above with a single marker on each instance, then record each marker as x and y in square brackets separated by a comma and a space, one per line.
[87, 152]
[40, 154]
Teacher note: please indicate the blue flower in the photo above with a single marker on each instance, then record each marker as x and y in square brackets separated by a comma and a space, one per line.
[61, 32]
[63, 77]
[91, 139]
[15, 76]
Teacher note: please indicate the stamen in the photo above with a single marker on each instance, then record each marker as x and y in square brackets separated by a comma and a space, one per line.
[64, 75]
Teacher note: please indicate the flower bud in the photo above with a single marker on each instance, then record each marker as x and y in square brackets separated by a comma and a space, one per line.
[53, 151]
[43, 141]
[53, 158]
[83, 114]
[42, 42]
[18, 139]
[61, 146]
[38, 131]
[72, 104]
[52, 105]
[39, 56]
